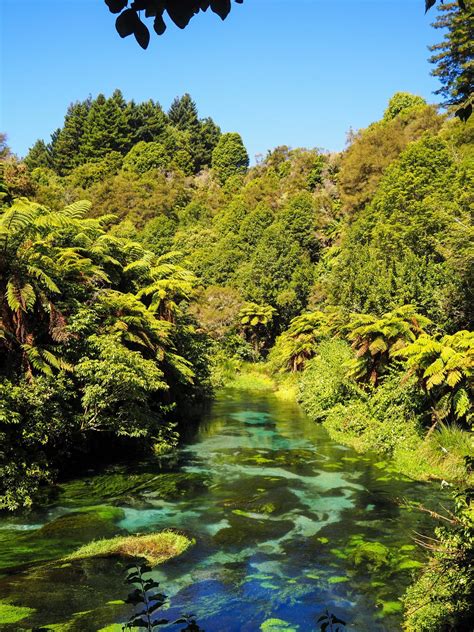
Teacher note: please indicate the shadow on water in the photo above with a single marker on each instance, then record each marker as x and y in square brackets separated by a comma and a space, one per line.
[286, 524]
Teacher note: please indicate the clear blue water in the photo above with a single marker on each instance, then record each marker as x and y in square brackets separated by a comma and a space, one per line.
[286, 522]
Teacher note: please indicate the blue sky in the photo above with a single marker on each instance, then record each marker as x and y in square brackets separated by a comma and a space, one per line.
[295, 72]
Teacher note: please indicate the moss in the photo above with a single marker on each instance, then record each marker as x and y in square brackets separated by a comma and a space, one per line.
[115, 627]
[373, 554]
[277, 625]
[155, 548]
[12, 614]
[58, 537]
[341, 555]
[83, 525]
[245, 530]
[338, 579]
[406, 565]
[126, 488]
[390, 608]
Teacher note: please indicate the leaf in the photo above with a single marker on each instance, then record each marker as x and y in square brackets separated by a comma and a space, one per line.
[135, 597]
[221, 7]
[13, 296]
[115, 6]
[138, 623]
[150, 583]
[156, 606]
[435, 380]
[126, 23]
[142, 34]
[461, 402]
[378, 346]
[159, 25]
[435, 367]
[179, 14]
[453, 378]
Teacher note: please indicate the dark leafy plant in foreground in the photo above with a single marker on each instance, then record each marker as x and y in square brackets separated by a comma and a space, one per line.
[148, 601]
[328, 622]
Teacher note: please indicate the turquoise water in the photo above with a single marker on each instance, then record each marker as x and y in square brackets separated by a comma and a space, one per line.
[287, 523]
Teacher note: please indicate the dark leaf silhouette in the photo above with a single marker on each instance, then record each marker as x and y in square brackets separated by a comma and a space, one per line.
[115, 6]
[126, 23]
[142, 34]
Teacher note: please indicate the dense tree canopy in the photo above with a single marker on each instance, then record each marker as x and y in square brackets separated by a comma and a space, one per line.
[95, 130]
[453, 58]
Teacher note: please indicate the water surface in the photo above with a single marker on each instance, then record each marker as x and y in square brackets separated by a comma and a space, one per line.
[287, 523]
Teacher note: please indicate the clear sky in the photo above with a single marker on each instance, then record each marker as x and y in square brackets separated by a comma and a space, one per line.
[294, 72]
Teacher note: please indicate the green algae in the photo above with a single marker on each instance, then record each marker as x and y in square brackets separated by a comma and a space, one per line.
[277, 625]
[338, 579]
[58, 537]
[10, 613]
[390, 607]
[85, 524]
[405, 565]
[128, 488]
[244, 530]
[374, 555]
[339, 554]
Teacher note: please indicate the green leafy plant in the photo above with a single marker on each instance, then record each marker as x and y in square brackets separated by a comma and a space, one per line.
[376, 340]
[254, 321]
[445, 368]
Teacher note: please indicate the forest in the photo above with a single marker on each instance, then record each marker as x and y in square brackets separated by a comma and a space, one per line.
[145, 266]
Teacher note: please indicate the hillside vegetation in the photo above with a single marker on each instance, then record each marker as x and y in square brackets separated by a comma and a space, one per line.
[352, 272]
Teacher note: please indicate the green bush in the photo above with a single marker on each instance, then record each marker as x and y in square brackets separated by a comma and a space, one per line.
[324, 384]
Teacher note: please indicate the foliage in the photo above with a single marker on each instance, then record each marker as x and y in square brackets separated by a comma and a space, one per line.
[299, 343]
[445, 368]
[255, 321]
[141, 134]
[229, 157]
[324, 383]
[129, 21]
[400, 248]
[452, 58]
[145, 156]
[371, 150]
[400, 102]
[376, 340]
[443, 596]
[97, 327]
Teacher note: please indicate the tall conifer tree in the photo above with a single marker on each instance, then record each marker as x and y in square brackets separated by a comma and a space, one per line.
[454, 56]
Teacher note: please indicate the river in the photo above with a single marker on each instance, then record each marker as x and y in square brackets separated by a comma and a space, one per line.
[287, 523]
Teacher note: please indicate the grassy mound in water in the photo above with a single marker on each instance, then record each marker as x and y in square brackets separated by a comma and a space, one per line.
[155, 548]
